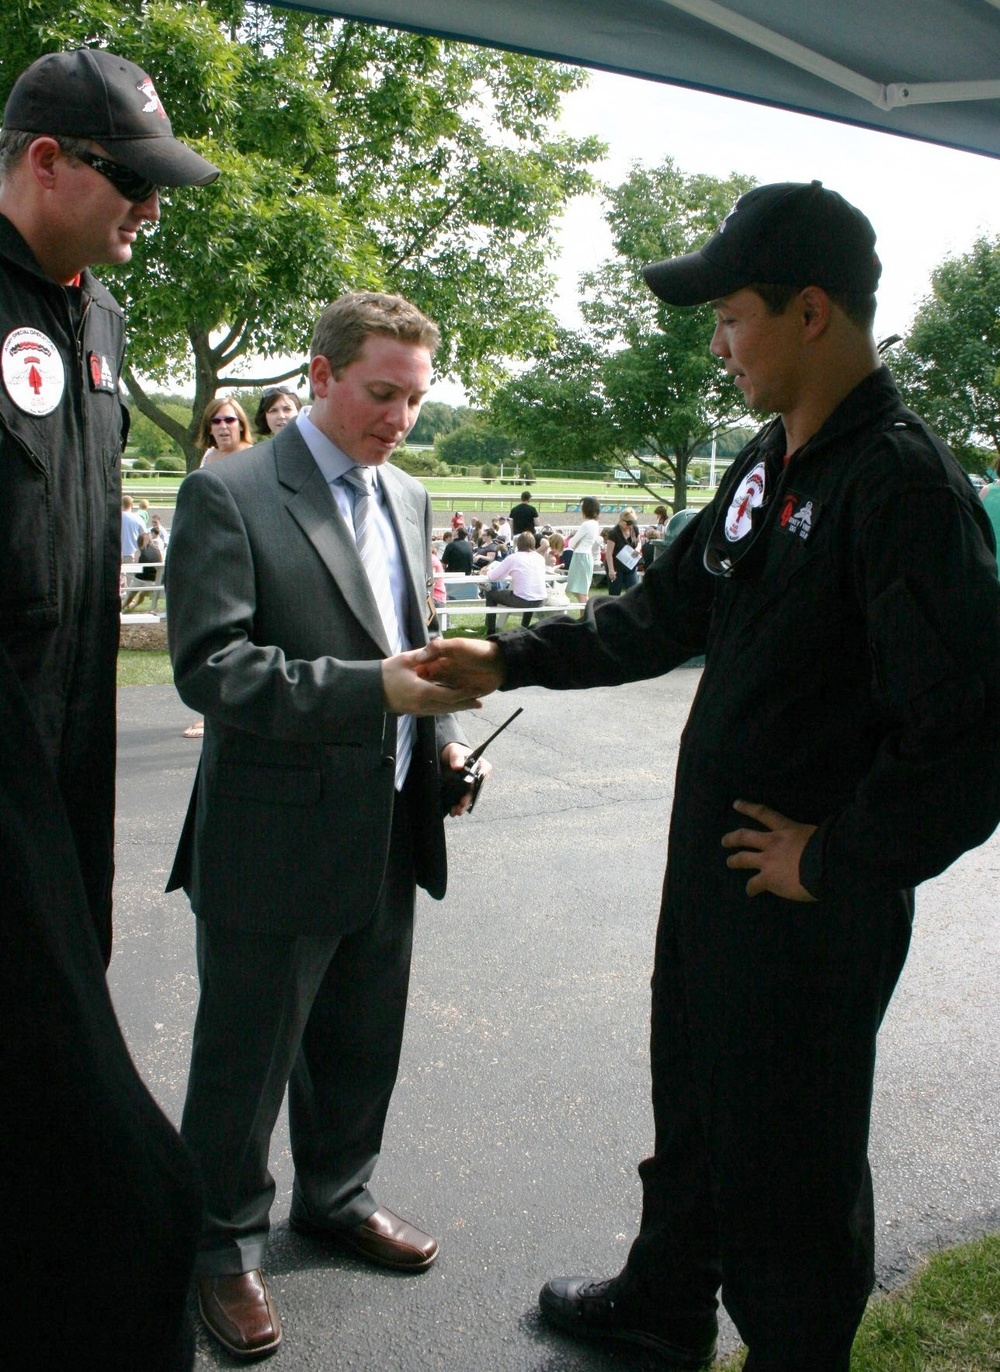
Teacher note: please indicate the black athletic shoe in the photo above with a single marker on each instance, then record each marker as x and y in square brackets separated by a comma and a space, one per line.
[594, 1310]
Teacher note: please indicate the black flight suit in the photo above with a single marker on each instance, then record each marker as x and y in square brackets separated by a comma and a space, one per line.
[852, 658]
[104, 1203]
[60, 540]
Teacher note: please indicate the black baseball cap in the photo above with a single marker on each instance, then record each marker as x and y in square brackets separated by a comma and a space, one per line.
[90, 93]
[792, 233]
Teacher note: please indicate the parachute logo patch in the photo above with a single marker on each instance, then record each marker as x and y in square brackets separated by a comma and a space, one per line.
[32, 371]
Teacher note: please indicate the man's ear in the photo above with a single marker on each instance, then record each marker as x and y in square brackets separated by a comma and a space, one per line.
[814, 306]
[321, 376]
[42, 158]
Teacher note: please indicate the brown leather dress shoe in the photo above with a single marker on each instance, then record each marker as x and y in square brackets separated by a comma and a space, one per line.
[240, 1313]
[383, 1238]
[386, 1239]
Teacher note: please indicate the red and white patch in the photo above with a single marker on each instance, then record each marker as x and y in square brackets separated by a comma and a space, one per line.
[102, 378]
[32, 371]
[749, 495]
[152, 106]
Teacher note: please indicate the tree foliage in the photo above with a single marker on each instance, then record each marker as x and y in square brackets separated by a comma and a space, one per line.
[146, 439]
[352, 157]
[473, 444]
[556, 410]
[419, 462]
[437, 418]
[949, 369]
[728, 443]
[638, 382]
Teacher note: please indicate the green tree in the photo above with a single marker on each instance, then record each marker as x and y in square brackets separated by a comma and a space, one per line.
[637, 386]
[352, 157]
[473, 443]
[557, 409]
[419, 463]
[437, 418]
[949, 369]
[731, 441]
[665, 392]
[147, 439]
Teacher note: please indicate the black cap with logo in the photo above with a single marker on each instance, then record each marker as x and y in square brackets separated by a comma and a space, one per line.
[90, 93]
[793, 233]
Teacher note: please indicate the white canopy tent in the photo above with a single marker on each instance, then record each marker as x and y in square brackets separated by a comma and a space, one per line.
[925, 69]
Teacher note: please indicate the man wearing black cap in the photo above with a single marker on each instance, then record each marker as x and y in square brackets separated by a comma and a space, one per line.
[839, 715]
[104, 1197]
[85, 145]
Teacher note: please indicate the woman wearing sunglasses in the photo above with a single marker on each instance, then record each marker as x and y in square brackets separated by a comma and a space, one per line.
[224, 429]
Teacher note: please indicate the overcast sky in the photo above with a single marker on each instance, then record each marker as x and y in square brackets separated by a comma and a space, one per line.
[925, 202]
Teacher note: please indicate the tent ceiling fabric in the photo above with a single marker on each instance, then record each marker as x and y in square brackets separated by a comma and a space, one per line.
[927, 69]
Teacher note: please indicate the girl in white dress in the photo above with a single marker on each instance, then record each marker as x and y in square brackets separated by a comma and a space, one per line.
[583, 543]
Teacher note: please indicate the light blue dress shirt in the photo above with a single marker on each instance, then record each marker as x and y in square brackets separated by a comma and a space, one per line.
[333, 464]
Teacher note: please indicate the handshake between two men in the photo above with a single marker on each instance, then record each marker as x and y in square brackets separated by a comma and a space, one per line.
[446, 675]
[439, 679]
[451, 674]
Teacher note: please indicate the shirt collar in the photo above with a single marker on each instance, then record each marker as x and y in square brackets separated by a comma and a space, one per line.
[330, 459]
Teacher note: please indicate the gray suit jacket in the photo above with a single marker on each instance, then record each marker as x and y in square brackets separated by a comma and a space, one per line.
[276, 639]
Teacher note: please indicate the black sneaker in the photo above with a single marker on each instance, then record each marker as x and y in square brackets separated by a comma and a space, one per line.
[594, 1310]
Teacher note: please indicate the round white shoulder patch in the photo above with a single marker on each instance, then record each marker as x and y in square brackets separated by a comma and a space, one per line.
[748, 496]
[32, 371]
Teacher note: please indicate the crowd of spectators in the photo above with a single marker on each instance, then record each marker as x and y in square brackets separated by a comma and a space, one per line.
[489, 550]
[475, 550]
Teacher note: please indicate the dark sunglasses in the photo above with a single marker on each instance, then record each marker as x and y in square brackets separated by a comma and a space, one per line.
[224, 419]
[125, 181]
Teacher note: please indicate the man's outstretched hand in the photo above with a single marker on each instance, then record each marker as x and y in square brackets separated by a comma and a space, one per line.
[773, 851]
[472, 667]
[406, 692]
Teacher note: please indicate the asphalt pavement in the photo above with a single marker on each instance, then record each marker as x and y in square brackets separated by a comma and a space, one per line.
[522, 1102]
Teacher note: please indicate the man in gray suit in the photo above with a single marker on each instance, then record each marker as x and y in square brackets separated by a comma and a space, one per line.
[298, 582]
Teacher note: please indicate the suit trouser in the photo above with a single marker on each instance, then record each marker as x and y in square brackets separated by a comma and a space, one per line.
[323, 1014]
[762, 1070]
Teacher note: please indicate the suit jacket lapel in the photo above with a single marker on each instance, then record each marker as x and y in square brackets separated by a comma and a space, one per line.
[309, 502]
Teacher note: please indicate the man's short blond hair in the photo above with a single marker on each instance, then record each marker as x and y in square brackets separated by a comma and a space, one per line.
[342, 328]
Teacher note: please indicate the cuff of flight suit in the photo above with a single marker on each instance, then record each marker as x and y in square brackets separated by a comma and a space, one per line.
[811, 863]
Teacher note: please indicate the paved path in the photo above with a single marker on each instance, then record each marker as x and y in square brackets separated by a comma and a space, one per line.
[521, 1107]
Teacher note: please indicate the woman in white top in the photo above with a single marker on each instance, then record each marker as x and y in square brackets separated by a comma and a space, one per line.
[583, 543]
[525, 570]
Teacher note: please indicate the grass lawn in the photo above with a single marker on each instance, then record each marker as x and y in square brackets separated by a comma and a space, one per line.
[474, 496]
[144, 668]
[947, 1319]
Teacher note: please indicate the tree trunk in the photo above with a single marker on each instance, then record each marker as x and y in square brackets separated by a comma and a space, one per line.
[680, 481]
[171, 427]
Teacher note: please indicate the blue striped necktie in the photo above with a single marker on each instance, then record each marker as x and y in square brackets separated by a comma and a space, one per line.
[372, 554]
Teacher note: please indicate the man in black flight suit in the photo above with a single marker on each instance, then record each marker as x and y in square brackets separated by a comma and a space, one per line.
[104, 1202]
[840, 717]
